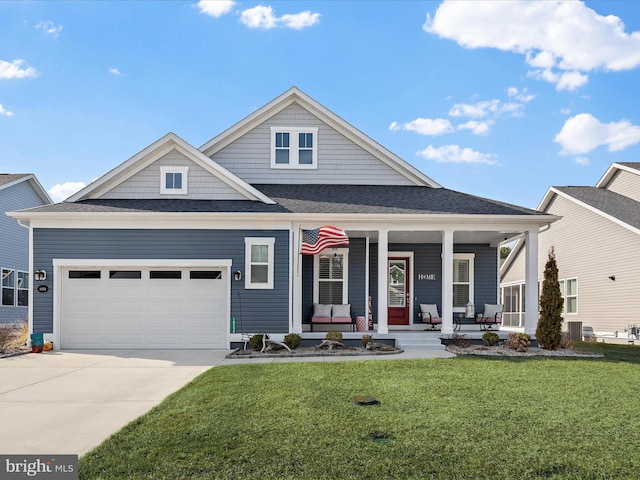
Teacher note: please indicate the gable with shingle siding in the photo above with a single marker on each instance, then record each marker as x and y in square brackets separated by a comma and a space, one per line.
[340, 160]
[146, 183]
[626, 183]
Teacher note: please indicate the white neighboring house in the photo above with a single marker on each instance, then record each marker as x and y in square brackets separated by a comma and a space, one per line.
[597, 247]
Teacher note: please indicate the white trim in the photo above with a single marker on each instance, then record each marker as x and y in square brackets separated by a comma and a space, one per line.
[183, 171]
[294, 148]
[345, 272]
[14, 287]
[563, 293]
[59, 264]
[248, 264]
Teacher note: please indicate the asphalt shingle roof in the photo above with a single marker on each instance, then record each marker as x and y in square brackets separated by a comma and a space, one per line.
[357, 199]
[623, 208]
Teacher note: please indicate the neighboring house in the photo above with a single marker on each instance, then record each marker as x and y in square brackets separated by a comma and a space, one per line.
[166, 248]
[17, 191]
[597, 247]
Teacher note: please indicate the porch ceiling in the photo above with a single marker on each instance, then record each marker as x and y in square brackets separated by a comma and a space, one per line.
[483, 237]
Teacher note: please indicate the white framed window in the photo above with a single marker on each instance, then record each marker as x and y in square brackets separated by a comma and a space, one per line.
[463, 287]
[173, 180]
[294, 147]
[258, 262]
[8, 287]
[331, 273]
[569, 291]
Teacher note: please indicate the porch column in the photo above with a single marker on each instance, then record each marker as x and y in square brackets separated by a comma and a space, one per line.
[383, 253]
[447, 282]
[531, 282]
[296, 282]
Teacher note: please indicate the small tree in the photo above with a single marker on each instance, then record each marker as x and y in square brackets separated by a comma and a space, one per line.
[549, 331]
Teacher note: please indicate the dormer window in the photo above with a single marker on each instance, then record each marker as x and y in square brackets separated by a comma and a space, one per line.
[173, 180]
[293, 147]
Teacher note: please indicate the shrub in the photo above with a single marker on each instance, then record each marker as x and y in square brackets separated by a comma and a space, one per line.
[518, 341]
[490, 338]
[292, 340]
[567, 343]
[366, 339]
[334, 336]
[460, 341]
[13, 335]
[549, 330]
[256, 341]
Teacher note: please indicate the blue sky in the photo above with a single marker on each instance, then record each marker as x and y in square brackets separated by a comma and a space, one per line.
[499, 99]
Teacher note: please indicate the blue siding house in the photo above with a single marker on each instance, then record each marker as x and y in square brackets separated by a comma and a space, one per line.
[17, 191]
[190, 247]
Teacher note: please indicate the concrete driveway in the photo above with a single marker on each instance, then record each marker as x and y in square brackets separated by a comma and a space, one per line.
[69, 402]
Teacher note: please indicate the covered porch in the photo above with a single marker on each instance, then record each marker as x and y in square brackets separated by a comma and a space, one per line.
[387, 272]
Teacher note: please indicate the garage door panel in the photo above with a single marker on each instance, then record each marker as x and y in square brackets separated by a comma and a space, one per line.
[143, 312]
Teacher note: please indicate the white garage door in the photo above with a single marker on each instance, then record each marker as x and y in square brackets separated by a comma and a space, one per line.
[146, 308]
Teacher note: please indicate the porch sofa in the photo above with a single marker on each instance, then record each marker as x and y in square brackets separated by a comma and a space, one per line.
[332, 314]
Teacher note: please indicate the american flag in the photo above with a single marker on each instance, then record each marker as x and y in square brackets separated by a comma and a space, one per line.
[314, 241]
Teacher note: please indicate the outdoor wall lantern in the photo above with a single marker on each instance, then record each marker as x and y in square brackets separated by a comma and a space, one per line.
[612, 278]
[40, 275]
[237, 275]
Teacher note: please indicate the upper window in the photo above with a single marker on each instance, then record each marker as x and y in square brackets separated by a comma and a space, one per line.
[294, 147]
[462, 279]
[569, 291]
[259, 262]
[173, 180]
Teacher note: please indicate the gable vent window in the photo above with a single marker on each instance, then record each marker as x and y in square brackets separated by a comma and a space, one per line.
[294, 147]
[173, 180]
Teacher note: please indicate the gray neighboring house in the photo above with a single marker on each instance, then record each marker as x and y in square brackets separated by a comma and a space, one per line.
[17, 191]
[597, 247]
[185, 247]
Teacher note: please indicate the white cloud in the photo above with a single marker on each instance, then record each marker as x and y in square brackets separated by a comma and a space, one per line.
[477, 128]
[560, 40]
[16, 69]
[49, 27]
[61, 191]
[521, 95]
[582, 161]
[425, 126]
[455, 154]
[484, 108]
[264, 17]
[584, 133]
[4, 112]
[215, 8]
[114, 71]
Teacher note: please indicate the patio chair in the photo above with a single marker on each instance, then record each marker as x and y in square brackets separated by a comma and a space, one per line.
[491, 316]
[430, 315]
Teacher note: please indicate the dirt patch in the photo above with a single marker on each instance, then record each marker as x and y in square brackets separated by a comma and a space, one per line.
[502, 351]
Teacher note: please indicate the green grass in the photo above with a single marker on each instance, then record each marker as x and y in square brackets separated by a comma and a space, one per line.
[469, 417]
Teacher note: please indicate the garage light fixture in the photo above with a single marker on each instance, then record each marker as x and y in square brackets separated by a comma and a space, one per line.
[237, 275]
[40, 275]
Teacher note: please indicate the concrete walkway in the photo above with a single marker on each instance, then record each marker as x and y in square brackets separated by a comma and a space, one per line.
[68, 402]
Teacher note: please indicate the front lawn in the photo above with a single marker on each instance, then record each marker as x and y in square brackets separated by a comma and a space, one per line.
[469, 417]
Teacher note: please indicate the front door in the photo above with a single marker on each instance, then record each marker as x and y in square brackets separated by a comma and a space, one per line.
[398, 290]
